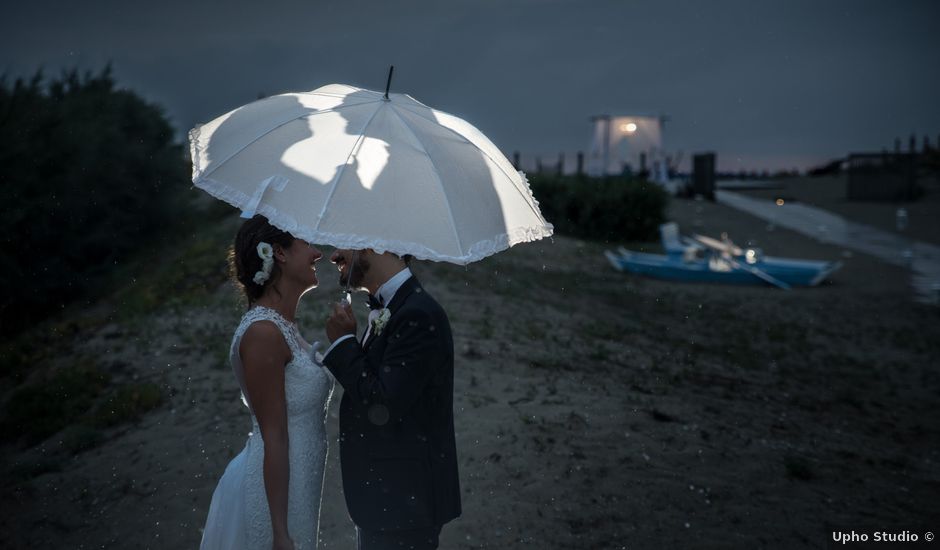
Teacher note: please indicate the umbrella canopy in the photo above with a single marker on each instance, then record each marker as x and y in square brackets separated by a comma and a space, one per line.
[357, 169]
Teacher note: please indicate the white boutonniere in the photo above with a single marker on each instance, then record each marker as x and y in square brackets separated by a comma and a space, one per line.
[380, 321]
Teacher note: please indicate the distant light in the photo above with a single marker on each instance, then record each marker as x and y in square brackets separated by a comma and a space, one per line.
[628, 127]
[779, 202]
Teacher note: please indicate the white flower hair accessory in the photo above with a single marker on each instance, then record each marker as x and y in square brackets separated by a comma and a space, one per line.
[266, 253]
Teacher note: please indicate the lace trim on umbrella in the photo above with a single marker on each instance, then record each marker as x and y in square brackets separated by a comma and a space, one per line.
[475, 252]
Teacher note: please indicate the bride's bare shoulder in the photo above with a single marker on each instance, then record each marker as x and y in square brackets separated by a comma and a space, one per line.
[263, 340]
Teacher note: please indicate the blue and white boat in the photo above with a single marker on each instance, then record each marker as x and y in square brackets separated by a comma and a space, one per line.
[703, 259]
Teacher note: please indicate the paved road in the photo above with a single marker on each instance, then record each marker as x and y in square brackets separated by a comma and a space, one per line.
[923, 259]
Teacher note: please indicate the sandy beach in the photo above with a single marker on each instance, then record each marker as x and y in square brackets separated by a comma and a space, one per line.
[594, 409]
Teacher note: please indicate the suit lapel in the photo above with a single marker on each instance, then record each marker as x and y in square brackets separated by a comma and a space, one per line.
[369, 340]
[401, 295]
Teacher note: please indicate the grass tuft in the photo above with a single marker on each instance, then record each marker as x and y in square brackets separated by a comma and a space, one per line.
[42, 408]
[127, 404]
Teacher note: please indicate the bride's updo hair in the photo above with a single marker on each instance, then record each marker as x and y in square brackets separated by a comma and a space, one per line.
[243, 257]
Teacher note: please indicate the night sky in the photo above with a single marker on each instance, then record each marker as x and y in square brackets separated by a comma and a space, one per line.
[766, 85]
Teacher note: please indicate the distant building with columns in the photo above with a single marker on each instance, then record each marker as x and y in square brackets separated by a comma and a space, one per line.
[626, 141]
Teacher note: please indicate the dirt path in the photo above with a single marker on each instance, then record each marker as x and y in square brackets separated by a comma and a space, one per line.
[593, 409]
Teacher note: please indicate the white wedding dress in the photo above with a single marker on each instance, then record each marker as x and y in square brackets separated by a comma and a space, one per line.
[238, 514]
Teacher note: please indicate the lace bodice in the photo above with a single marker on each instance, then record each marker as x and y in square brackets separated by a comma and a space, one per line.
[304, 379]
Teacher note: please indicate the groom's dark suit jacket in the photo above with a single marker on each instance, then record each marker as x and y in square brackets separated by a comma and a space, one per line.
[397, 448]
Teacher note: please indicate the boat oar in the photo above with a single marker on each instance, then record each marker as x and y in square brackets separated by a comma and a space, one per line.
[759, 273]
[727, 250]
[614, 260]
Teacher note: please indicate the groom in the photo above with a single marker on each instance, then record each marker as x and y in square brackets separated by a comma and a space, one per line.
[397, 448]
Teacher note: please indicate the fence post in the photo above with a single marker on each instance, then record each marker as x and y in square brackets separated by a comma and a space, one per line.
[580, 169]
[703, 175]
[515, 160]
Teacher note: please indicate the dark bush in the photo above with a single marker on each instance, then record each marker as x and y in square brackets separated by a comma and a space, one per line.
[88, 173]
[38, 410]
[77, 398]
[604, 209]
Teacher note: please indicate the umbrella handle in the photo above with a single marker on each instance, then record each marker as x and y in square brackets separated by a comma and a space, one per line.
[388, 84]
[352, 264]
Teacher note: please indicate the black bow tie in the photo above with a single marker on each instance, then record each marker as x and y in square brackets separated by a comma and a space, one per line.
[374, 302]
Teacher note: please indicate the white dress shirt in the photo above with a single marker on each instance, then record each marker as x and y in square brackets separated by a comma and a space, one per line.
[385, 294]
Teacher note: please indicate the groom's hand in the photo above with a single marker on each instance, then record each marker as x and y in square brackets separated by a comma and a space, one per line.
[341, 322]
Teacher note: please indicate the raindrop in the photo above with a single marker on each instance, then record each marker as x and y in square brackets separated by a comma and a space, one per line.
[378, 414]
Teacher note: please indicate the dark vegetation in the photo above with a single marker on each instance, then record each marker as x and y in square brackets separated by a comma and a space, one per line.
[89, 174]
[78, 397]
[613, 209]
[94, 198]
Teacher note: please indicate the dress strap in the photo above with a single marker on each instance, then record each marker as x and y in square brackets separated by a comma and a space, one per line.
[288, 329]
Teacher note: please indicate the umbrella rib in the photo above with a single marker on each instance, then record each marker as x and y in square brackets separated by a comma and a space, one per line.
[319, 91]
[440, 181]
[337, 108]
[524, 195]
[268, 131]
[339, 173]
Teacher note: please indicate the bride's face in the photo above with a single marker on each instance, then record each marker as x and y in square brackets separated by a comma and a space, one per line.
[300, 260]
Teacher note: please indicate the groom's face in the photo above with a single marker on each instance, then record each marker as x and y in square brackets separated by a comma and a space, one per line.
[353, 260]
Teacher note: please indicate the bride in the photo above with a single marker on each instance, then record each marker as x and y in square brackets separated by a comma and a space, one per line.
[269, 495]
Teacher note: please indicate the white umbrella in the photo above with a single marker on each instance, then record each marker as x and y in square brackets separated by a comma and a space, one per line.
[357, 169]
